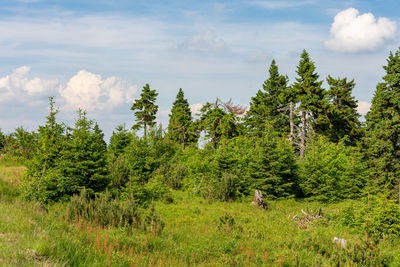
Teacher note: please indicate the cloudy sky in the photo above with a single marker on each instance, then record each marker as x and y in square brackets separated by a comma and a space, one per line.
[97, 55]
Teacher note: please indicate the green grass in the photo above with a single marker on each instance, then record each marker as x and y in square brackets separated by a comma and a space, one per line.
[197, 232]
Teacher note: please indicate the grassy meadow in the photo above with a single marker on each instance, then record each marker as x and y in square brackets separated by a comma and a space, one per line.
[197, 232]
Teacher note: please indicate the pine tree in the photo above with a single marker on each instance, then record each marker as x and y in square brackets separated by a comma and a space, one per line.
[181, 128]
[83, 164]
[147, 109]
[274, 168]
[343, 116]
[269, 106]
[382, 139]
[311, 98]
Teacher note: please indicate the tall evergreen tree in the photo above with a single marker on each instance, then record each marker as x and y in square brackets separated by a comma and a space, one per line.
[383, 129]
[181, 127]
[84, 158]
[311, 98]
[343, 115]
[147, 109]
[269, 106]
[41, 179]
[274, 169]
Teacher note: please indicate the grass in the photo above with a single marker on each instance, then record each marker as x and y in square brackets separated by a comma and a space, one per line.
[197, 232]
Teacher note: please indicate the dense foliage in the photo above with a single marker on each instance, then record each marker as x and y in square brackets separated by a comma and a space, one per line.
[297, 140]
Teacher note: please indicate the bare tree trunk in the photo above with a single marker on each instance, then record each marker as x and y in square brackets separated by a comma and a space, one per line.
[145, 129]
[303, 134]
[291, 135]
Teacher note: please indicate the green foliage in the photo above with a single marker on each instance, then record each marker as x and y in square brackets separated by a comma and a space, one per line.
[118, 172]
[119, 140]
[310, 94]
[147, 109]
[332, 171]
[84, 159]
[19, 145]
[2, 140]
[42, 174]
[104, 210]
[181, 129]
[383, 125]
[217, 124]
[269, 105]
[343, 115]
[274, 168]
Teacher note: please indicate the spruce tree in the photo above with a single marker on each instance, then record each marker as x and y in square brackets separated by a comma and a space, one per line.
[83, 164]
[343, 115]
[146, 109]
[274, 169]
[269, 105]
[311, 98]
[180, 127]
[41, 178]
[383, 127]
[119, 140]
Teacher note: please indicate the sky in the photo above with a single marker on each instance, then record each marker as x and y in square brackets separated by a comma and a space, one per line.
[98, 55]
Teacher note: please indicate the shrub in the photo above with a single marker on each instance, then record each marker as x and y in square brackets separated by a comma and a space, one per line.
[104, 210]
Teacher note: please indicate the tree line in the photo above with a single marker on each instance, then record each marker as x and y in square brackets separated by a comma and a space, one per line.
[295, 140]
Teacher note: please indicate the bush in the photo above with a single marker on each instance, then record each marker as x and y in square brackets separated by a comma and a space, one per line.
[104, 210]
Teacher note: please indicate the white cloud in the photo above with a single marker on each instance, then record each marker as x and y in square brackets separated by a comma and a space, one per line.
[195, 108]
[363, 107]
[351, 32]
[206, 41]
[17, 86]
[90, 92]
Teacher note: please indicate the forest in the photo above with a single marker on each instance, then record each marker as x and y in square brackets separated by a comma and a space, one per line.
[180, 195]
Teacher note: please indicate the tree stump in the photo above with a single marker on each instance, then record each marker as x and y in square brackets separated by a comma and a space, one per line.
[259, 200]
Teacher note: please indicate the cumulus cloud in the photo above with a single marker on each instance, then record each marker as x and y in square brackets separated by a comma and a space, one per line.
[90, 92]
[363, 107]
[352, 32]
[206, 41]
[195, 108]
[17, 86]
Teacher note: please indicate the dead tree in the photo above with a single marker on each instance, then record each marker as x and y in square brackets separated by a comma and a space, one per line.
[303, 220]
[229, 107]
[259, 200]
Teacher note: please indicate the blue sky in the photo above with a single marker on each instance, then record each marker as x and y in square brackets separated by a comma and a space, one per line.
[98, 54]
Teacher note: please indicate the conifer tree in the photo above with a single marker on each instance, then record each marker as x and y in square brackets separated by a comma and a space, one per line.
[383, 128]
[180, 127]
[274, 169]
[146, 109]
[217, 123]
[269, 105]
[331, 171]
[41, 179]
[119, 140]
[84, 159]
[311, 98]
[343, 116]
